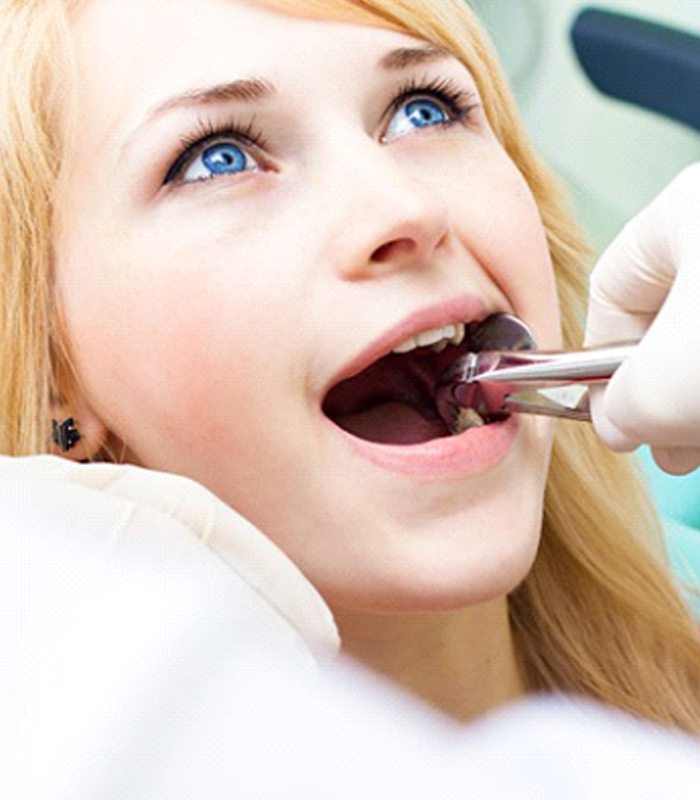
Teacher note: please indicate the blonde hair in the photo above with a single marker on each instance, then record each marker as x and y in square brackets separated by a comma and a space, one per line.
[598, 615]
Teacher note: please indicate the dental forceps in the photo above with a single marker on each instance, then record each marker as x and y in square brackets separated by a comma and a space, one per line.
[554, 383]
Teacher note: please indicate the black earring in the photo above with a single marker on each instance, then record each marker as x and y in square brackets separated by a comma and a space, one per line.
[66, 434]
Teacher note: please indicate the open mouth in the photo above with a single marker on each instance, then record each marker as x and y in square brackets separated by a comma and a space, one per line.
[393, 400]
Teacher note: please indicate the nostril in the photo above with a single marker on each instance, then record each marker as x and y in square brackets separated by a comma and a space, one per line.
[394, 249]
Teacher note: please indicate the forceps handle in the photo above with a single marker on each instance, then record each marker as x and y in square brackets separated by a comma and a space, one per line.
[562, 377]
[551, 368]
[572, 402]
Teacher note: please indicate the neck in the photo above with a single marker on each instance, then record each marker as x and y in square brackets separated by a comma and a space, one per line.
[461, 662]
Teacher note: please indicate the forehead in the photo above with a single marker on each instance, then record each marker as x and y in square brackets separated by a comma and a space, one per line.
[133, 54]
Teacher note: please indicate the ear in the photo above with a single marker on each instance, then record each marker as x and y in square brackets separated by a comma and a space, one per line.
[92, 432]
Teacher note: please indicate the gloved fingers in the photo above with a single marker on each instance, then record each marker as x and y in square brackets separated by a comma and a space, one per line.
[628, 285]
[645, 287]
[653, 396]
[677, 460]
[606, 430]
[635, 273]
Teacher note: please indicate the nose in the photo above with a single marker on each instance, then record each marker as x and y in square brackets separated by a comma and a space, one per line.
[391, 220]
[410, 242]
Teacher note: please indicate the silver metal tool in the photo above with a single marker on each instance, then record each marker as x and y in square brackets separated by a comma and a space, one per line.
[551, 383]
[554, 383]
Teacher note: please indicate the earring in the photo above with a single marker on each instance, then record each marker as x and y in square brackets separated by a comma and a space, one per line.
[66, 434]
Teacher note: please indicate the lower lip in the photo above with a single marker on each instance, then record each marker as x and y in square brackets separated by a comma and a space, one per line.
[476, 450]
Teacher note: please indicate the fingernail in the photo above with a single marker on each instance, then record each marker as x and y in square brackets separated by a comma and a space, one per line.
[676, 460]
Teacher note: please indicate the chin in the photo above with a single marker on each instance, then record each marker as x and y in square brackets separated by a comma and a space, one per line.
[455, 584]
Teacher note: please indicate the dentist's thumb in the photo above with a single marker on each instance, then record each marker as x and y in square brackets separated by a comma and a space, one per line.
[646, 287]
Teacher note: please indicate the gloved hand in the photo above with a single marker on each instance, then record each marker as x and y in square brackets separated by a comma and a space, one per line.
[646, 286]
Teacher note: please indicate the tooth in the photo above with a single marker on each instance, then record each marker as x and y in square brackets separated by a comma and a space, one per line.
[440, 337]
[405, 347]
[458, 338]
[465, 419]
[430, 337]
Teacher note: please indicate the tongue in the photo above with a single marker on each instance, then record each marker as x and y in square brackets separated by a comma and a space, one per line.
[393, 423]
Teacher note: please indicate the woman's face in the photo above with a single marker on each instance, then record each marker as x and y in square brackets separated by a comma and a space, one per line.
[214, 297]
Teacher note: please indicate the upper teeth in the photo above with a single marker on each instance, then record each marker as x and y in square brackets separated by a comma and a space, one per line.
[448, 334]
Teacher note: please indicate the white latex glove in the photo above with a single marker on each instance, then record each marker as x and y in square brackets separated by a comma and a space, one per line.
[646, 286]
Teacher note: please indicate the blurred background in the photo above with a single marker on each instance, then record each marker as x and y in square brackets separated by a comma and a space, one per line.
[613, 158]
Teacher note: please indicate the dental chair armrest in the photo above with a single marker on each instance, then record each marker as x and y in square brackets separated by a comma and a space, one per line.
[653, 66]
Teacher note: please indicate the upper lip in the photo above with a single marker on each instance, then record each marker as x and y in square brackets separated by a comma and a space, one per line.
[465, 308]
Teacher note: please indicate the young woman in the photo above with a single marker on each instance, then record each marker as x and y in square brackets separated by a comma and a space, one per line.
[218, 216]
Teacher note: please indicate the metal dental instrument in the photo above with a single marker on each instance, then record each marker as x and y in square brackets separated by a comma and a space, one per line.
[554, 383]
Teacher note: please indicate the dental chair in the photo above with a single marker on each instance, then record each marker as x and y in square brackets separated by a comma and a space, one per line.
[655, 67]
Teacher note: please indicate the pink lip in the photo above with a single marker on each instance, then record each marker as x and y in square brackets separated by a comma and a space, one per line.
[476, 450]
[464, 308]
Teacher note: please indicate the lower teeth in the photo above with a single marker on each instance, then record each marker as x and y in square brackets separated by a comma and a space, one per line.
[465, 419]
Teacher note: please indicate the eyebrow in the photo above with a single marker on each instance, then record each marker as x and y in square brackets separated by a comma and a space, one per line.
[250, 90]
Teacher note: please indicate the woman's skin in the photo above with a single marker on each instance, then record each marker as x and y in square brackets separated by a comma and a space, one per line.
[207, 319]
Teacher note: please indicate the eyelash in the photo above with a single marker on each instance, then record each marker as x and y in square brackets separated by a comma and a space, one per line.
[444, 89]
[456, 100]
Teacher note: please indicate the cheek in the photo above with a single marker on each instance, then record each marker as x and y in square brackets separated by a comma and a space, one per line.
[503, 229]
[178, 339]
[167, 364]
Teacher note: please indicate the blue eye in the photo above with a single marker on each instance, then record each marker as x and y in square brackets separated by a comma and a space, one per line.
[422, 113]
[439, 103]
[221, 158]
[225, 149]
